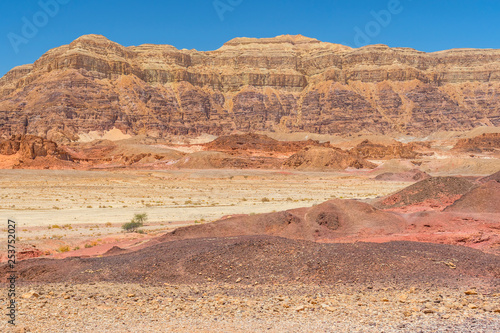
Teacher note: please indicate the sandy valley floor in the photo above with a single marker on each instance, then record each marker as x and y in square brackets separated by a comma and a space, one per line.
[48, 197]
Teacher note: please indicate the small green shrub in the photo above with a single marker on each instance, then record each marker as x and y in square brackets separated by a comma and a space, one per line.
[131, 226]
[135, 223]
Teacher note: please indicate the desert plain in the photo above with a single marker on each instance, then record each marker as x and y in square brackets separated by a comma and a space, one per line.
[282, 184]
[256, 249]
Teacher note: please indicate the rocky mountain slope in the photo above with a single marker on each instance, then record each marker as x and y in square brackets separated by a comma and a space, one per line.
[287, 83]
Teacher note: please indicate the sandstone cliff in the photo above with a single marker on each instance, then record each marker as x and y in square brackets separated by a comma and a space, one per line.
[287, 83]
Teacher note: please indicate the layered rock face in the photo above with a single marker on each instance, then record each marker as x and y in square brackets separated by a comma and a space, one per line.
[488, 142]
[323, 158]
[287, 83]
[367, 149]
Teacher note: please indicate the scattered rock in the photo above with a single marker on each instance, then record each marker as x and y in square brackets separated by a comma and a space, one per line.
[328, 308]
[30, 294]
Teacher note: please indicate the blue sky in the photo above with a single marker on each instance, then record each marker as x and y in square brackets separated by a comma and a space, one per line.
[426, 25]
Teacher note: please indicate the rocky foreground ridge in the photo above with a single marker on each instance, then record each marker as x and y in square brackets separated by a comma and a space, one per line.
[287, 83]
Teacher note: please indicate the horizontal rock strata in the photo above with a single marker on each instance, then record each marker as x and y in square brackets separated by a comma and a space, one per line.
[287, 83]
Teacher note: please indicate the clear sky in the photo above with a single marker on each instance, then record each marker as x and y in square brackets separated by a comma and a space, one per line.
[28, 28]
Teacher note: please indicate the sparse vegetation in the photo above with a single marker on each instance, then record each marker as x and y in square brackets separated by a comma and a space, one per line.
[135, 223]
[131, 226]
[63, 248]
[265, 199]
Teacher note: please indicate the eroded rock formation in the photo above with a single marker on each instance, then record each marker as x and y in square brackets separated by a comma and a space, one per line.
[30, 147]
[323, 158]
[287, 83]
[367, 149]
[488, 142]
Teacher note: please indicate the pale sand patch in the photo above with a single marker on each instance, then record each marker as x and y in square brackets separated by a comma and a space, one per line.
[112, 135]
[45, 197]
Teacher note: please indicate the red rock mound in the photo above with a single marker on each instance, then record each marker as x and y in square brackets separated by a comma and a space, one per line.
[488, 142]
[98, 150]
[115, 250]
[367, 149]
[483, 199]
[329, 220]
[121, 153]
[495, 177]
[321, 158]
[237, 143]
[219, 160]
[273, 260]
[436, 192]
[408, 176]
[340, 218]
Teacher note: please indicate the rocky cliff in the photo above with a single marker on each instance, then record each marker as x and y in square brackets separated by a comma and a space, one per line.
[287, 83]
[30, 147]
